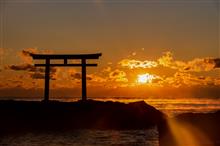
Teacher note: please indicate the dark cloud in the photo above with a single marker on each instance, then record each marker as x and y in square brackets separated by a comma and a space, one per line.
[186, 68]
[24, 67]
[37, 75]
[95, 78]
[25, 55]
[75, 75]
[217, 62]
[35, 72]
[201, 78]
[199, 64]
[89, 78]
[28, 62]
[41, 75]
[214, 61]
[78, 76]
[27, 52]
[117, 74]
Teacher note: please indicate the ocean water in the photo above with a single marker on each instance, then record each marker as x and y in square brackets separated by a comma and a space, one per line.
[113, 137]
[169, 106]
[85, 138]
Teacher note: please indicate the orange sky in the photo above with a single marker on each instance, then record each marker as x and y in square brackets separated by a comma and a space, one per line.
[173, 46]
[162, 77]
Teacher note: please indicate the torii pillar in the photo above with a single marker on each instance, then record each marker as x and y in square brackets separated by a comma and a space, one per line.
[64, 57]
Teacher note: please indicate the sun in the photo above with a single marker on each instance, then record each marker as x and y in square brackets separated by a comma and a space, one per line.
[145, 78]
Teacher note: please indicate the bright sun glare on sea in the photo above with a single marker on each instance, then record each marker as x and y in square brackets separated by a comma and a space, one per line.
[145, 78]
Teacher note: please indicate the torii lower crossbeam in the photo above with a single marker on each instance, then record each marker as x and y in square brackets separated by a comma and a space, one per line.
[64, 57]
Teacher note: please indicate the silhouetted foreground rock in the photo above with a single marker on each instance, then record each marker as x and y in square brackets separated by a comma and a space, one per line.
[54, 115]
[191, 129]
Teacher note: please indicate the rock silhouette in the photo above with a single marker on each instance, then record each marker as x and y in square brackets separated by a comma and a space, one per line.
[54, 115]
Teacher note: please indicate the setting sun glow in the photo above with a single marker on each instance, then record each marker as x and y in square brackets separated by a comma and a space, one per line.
[145, 78]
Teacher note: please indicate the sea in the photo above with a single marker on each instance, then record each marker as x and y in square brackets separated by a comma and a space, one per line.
[149, 137]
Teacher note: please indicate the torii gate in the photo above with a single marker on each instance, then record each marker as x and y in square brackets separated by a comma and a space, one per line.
[64, 57]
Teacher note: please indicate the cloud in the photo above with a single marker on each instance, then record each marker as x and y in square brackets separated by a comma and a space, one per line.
[107, 69]
[118, 76]
[132, 63]
[96, 78]
[37, 75]
[74, 75]
[167, 60]
[21, 81]
[186, 79]
[90, 77]
[24, 67]
[167, 73]
[77, 76]
[27, 65]
[214, 61]
[41, 75]
[29, 51]
[199, 64]
[217, 62]
[195, 65]
[35, 72]
[25, 55]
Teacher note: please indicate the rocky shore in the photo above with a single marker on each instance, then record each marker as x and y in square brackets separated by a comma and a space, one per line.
[54, 115]
[190, 129]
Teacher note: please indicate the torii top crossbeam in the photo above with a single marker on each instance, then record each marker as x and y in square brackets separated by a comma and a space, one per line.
[64, 57]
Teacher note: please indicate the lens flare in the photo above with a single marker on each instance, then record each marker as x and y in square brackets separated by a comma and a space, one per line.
[186, 134]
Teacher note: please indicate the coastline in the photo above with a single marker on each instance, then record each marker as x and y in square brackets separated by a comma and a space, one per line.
[56, 115]
[37, 116]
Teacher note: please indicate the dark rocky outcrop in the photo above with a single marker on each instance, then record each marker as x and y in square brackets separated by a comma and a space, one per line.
[25, 116]
[54, 115]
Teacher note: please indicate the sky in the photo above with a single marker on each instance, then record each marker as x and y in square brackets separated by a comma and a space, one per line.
[150, 48]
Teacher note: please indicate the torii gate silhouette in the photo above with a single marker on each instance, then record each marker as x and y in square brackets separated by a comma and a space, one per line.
[64, 57]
